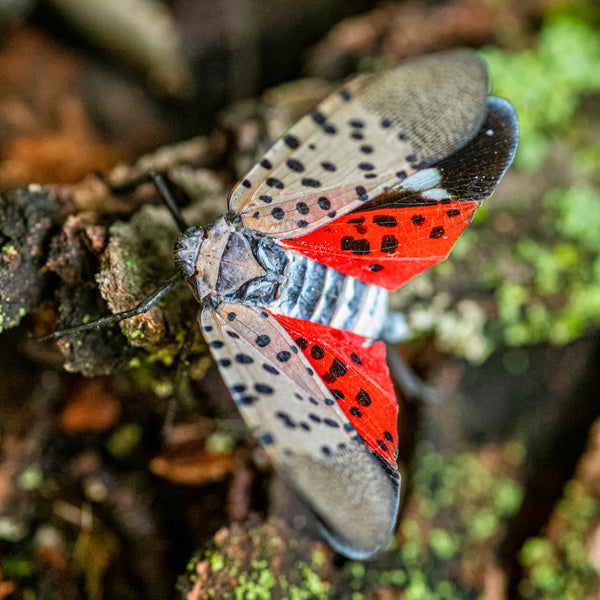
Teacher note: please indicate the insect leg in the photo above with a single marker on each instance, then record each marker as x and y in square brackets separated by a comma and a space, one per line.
[412, 386]
[144, 306]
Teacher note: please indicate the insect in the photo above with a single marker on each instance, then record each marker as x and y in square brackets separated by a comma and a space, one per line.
[368, 190]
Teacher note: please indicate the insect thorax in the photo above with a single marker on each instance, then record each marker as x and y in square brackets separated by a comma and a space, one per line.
[224, 264]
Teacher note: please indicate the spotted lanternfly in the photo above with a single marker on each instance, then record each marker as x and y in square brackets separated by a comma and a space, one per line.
[370, 189]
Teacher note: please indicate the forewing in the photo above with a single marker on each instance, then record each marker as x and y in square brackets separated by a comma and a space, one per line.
[292, 414]
[355, 371]
[362, 140]
[404, 231]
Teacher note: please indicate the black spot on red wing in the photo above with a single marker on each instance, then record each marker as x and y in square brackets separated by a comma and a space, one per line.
[389, 243]
[310, 182]
[417, 220]
[246, 183]
[388, 436]
[375, 268]
[295, 165]
[291, 141]
[328, 166]
[338, 368]
[317, 352]
[324, 203]
[453, 212]
[283, 356]
[382, 445]
[265, 163]
[356, 412]
[356, 359]
[337, 394]
[359, 247]
[302, 343]
[358, 220]
[363, 398]
[275, 183]
[263, 340]
[265, 198]
[385, 221]
[277, 213]
[436, 232]
[302, 208]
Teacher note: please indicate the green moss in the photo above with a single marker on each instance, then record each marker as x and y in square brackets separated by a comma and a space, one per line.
[16, 567]
[31, 478]
[217, 562]
[442, 544]
[560, 567]
[122, 442]
[545, 84]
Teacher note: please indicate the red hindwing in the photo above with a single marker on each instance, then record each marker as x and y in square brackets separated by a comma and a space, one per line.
[354, 369]
[387, 246]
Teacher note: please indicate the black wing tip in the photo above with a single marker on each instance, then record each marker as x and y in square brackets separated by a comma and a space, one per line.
[507, 115]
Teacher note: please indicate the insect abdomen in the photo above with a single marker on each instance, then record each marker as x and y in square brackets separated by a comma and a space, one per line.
[321, 294]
